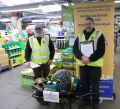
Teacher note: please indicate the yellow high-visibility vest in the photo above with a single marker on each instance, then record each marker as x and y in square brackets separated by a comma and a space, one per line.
[40, 53]
[94, 37]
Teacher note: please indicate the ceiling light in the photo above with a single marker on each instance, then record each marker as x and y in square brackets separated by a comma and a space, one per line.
[54, 17]
[50, 8]
[65, 4]
[15, 2]
[7, 2]
[116, 1]
[17, 10]
[34, 21]
[4, 20]
[44, 9]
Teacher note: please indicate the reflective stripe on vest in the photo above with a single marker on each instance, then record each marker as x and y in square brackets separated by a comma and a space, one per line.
[40, 57]
[95, 36]
[40, 52]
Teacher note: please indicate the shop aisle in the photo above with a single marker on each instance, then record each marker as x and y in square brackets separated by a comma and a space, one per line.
[13, 96]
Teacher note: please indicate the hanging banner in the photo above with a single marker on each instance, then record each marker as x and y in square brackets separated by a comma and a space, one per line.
[67, 13]
[103, 15]
[67, 17]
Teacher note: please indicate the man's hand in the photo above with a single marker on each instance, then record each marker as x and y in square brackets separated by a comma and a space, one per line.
[85, 60]
[50, 62]
[27, 64]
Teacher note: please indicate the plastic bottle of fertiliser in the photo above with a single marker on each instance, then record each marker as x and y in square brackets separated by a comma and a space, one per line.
[60, 44]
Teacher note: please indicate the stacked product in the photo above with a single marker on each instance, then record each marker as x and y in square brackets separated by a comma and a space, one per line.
[27, 77]
[68, 60]
[4, 61]
[58, 60]
[13, 50]
[61, 81]
[62, 43]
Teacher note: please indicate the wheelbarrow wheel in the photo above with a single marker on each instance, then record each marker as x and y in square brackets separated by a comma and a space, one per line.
[41, 101]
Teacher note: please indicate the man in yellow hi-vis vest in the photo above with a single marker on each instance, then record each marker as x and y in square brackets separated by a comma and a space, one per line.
[40, 52]
[89, 49]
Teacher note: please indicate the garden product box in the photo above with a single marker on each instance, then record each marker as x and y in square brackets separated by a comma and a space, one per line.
[59, 63]
[68, 65]
[27, 77]
[27, 82]
[67, 57]
[4, 64]
[27, 72]
[5, 57]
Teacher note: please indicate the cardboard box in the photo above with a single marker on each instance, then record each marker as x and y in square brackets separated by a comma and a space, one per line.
[0, 62]
[5, 57]
[3, 64]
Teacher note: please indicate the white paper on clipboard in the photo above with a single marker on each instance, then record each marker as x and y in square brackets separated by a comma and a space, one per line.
[51, 96]
[87, 48]
[34, 65]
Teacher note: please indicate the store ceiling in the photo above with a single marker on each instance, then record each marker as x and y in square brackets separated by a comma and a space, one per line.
[37, 9]
[33, 8]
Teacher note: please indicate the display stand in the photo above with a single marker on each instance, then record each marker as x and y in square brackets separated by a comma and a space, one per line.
[15, 52]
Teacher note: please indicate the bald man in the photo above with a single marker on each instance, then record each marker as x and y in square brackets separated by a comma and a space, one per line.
[29, 31]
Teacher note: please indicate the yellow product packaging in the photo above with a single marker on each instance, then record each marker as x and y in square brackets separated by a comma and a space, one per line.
[5, 57]
[2, 50]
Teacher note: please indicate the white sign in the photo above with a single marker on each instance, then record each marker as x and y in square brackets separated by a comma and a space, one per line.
[51, 96]
[87, 49]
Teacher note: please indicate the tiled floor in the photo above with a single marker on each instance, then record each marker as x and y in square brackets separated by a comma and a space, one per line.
[13, 96]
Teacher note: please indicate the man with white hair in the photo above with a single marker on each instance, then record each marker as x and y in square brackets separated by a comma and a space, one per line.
[39, 50]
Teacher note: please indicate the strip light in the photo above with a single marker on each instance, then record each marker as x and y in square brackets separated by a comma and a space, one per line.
[18, 10]
[116, 1]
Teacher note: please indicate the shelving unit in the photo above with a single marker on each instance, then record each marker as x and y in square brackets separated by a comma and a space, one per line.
[4, 60]
[13, 48]
[15, 53]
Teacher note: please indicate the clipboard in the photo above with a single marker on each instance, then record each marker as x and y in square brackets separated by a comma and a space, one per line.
[34, 65]
[87, 48]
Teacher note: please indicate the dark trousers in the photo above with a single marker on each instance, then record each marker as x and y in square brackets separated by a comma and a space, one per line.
[89, 79]
[42, 71]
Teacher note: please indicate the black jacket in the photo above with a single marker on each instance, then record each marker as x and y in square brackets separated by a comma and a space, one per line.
[28, 50]
[29, 35]
[97, 54]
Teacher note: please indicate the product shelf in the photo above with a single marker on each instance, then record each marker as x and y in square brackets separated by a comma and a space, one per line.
[14, 48]
[15, 55]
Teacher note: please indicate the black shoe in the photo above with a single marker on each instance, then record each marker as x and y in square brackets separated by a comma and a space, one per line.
[95, 106]
[83, 105]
